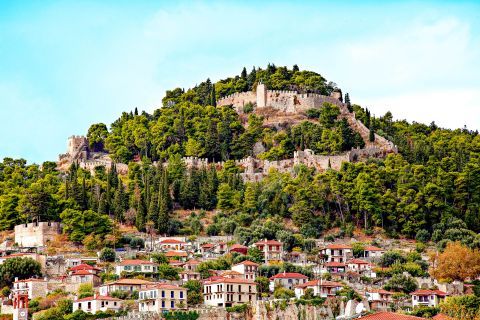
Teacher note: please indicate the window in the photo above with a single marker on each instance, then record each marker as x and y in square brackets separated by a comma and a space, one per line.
[115, 303]
[172, 293]
[163, 304]
[239, 297]
[89, 305]
[181, 294]
[172, 304]
[163, 294]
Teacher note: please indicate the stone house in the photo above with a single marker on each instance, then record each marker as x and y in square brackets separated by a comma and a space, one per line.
[225, 292]
[287, 280]
[162, 297]
[36, 234]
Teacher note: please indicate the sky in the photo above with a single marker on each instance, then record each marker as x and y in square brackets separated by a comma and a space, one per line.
[65, 65]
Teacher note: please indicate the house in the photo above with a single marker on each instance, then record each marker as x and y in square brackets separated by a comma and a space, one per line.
[207, 248]
[36, 288]
[272, 250]
[162, 297]
[187, 275]
[73, 262]
[358, 265]
[177, 254]
[84, 276]
[231, 274]
[389, 316]
[85, 267]
[287, 280]
[123, 285]
[337, 252]
[335, 267]
[171, 244]
[191, 265]
[97, 303]
[247, 268]
[373, 252]
[379, 299]
[224, 292]
[428, 298]
[139, 266]
[239, 248]
[297, 258]
[321, 288]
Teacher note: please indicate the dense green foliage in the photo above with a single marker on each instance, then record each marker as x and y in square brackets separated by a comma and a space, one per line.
[430, 190]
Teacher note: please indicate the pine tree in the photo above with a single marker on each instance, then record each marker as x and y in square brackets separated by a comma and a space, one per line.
[141, 215]
[136, 111]
[244, 73]
[371, 136]
[213, 97]
[295, 68]
[163, 205]
[84, 204]
[251, 78]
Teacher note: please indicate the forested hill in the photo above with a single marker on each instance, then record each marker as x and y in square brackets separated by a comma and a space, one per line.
[431, 189]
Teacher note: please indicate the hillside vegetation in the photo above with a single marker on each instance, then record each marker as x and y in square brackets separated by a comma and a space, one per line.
[430, 190]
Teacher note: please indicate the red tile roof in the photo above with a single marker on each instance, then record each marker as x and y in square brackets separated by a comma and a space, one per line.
[238, 246]
[269, 242]
[422, 292]
[129, 282]
[382, 291]
[373, 248]
[84, 266]
[358, 261]
[334, 264]
[289, 275]
[171, 241]
[163, 286]
[442, 316]
[98, 298]
[176, 254]
[336, 246]
[83, 273]
[230, 280]
[389, 316]
[207, 245]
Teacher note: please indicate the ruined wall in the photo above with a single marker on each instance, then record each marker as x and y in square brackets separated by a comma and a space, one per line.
[238, 100]
[36, 234]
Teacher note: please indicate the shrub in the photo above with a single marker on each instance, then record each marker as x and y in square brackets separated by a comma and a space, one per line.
[107, 255]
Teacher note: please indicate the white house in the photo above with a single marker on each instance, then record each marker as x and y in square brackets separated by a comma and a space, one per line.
[287, 280]
[373, 252]
[247, 268]
[321, 288]
[123, 285]
[226, 292]
[36, 288]
[140, 266]
[379, 299]
[97, 303]
[428, 298]
[337, 252]
[162, 297]
[272, 250]
[171, 244]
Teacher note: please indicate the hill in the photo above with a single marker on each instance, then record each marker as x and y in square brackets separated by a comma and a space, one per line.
[430, 188]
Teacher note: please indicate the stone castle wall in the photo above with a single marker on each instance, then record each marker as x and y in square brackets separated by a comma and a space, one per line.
[36, 234]
[238, 100]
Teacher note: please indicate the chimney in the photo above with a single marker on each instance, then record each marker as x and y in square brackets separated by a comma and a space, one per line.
[16, 279]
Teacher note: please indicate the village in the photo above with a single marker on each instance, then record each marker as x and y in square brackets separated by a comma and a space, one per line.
[132, 280]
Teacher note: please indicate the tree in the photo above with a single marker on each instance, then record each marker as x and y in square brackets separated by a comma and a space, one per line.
[456, 262]
[85, 290]
[97, 133]
[107, 255]
[21, 268]
[371, 135]
[194, 293]
[78, 224]
[262, 284]
[400, 282]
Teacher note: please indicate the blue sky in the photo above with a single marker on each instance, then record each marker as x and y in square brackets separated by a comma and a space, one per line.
[66, 65]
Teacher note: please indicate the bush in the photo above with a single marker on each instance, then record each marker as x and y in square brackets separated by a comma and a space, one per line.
[248, 107]
[283, 293]
[107, 255]
[423, 236]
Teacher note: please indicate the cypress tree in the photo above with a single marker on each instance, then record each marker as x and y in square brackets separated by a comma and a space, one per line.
[295, 68]
[213, 96]
[244, 74]
[84, 195]
[163, 205]
[252, 77]
[371, 136]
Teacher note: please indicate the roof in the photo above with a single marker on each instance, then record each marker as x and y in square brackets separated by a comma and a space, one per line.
[247, 263]
[129, 282]
[389, 316]
[176, 254]
[31, 280]
[442, 316]
[268, 242]
[338, 246]
[334, 264]
[373, 248]
[98, 298]
[381, 291]
[289, 275]
[207, 245]
[192, 262]
[230, 280]
[83, 273]
[238, 246]
[317, 282]
[231, 273]
[84, 266]
[172, 241]
[163, 286]
[134, 262]
[422, 292]
[358, 261]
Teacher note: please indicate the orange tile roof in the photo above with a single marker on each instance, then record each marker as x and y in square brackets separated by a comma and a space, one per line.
[274, 242]
[83, 273]
[389, 316]
[382, 291]
[238, 246]
[229, 280]
[422, 292]
[358, 261]
[172, 241]
[176, 254]
[336, 246]
[323, 283]
[248, 263]
[134, 262]
[84, 266]
[334, 264]
[373, 248]
[129, 282]
[441, 316]
[289, 275]
[162, 286]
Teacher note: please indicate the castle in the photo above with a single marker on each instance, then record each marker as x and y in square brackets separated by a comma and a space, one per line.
[78, 151]
[280, 101]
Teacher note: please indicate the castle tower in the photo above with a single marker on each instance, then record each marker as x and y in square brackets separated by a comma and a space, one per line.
[20, 305]
[261, 95]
